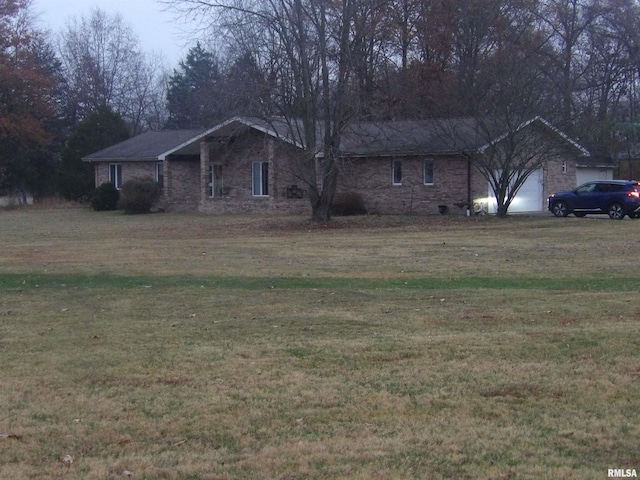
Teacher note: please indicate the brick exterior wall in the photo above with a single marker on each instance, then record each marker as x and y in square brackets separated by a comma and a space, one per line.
[182, 183]
[130, 170]
[555, 180]
[236, 160]
[372, 178]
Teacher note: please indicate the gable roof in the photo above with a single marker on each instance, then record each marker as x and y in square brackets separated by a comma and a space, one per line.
[360, 139]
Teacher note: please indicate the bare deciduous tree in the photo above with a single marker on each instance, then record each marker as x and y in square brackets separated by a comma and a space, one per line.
[105, 67]
[566, 22]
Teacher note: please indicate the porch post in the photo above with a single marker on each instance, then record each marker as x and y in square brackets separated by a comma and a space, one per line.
[166, 189]
[204, 171]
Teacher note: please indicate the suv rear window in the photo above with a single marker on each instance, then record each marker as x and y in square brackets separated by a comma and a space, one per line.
[587, 188]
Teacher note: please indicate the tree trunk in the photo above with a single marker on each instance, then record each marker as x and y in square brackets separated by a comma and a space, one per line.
[321, 211]
[321, 205]
[501, 210]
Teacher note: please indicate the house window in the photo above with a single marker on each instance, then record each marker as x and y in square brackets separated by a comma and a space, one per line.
[160, 174]
[260, 177]
[564, 167]
[215, 180]
[115, 174]
[427, 172]
[397, 172]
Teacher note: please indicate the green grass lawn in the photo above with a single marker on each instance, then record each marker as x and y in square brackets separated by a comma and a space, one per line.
[181, 346]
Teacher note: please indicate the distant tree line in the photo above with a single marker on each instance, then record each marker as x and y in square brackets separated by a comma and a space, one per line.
[575, 62]
[64, 96]
[321, 62]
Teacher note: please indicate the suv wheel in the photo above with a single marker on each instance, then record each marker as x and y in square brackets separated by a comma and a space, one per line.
[616, 211]
[559, 209]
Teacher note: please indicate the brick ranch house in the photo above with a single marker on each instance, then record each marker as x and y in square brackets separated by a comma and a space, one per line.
[248, 165]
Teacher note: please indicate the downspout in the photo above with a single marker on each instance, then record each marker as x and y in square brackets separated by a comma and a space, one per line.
[468, 186]
[271, 181]
[204, 173]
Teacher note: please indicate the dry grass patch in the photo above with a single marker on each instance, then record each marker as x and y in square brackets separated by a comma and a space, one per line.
[79, 241]
[227, 375]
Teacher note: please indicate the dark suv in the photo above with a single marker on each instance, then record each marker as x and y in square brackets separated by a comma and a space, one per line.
[616, 198]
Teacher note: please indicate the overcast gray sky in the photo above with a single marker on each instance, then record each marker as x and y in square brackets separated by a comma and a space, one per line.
[157, 30]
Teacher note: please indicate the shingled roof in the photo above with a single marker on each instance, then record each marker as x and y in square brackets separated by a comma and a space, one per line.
[410, 137]
[160, 144]
[147, 146]
[360, 139]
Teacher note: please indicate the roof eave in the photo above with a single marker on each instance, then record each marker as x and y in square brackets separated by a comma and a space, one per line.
[597, 165]
[271, 132]
[442, 153]
[241, 120]
[582, 150]
[119, 159]
[196, 138]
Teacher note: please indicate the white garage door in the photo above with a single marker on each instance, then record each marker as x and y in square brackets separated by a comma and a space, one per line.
[584, 175]
[528, 199]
